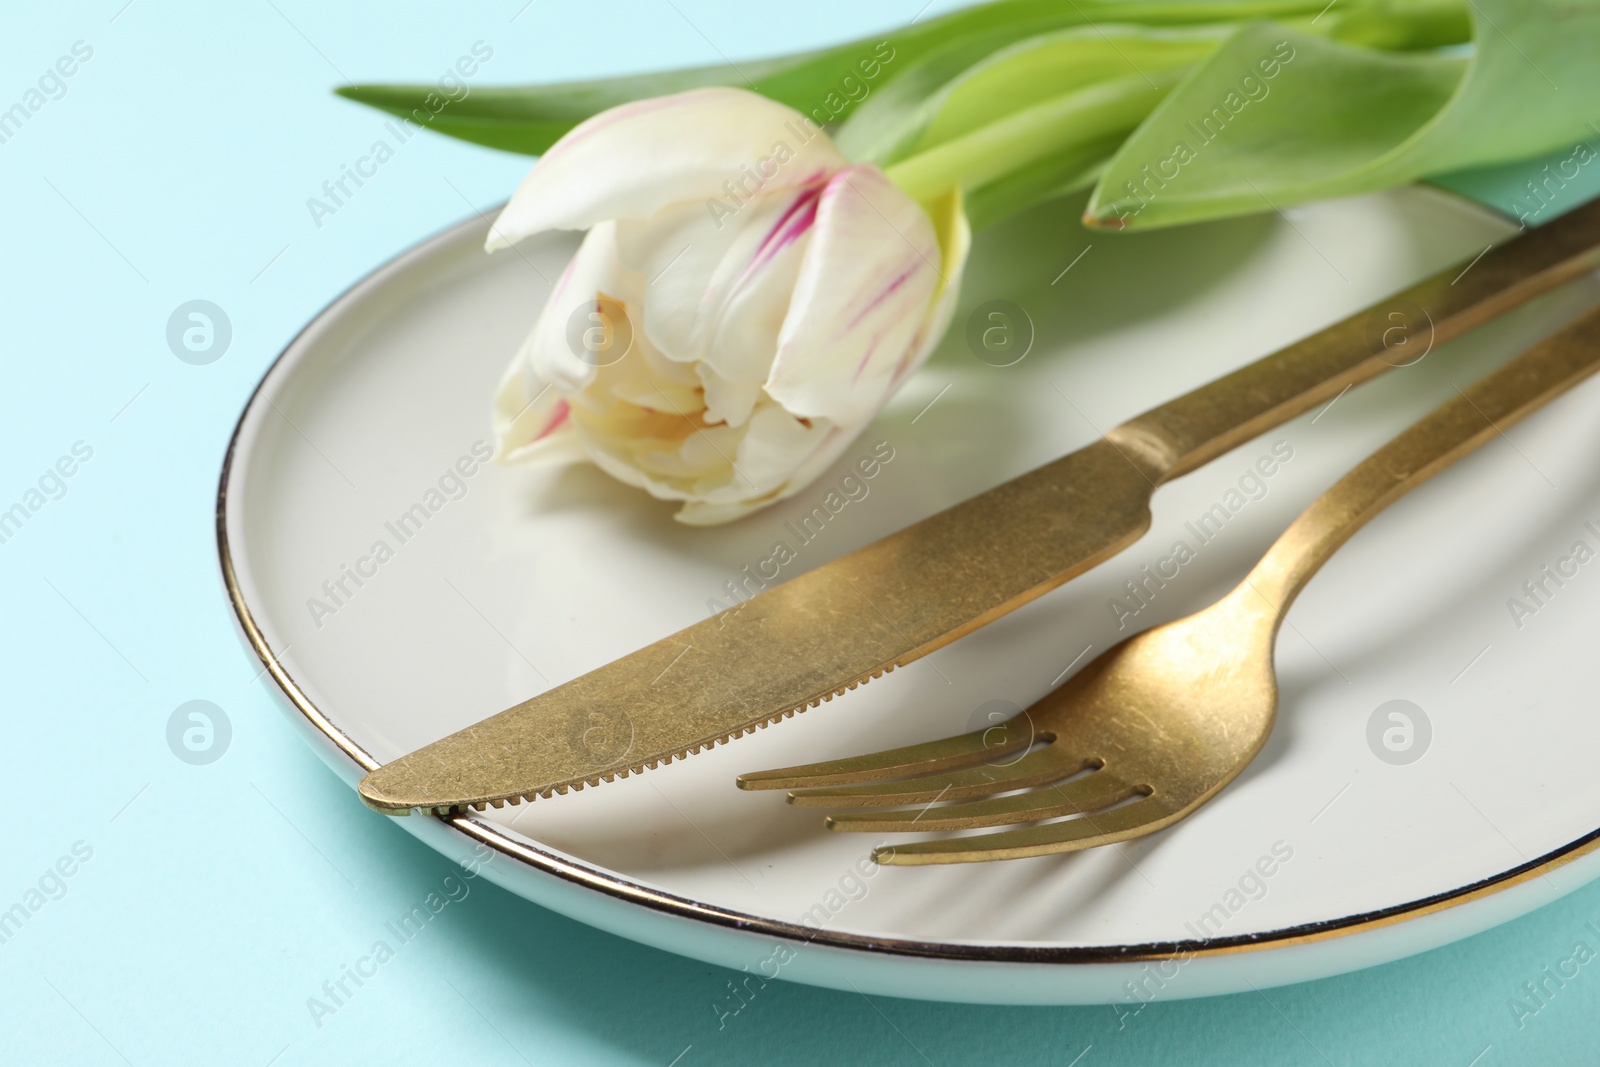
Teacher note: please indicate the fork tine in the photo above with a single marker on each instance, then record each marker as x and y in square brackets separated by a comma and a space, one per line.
[963, 750]
[1099, 789]
[1087, 831]
[1039, 767]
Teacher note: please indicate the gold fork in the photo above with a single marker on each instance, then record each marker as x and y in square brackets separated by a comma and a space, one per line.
[1155, 726]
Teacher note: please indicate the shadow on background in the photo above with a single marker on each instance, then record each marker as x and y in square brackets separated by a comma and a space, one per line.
[1027, 259]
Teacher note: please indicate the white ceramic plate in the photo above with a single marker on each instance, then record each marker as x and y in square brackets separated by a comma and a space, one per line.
[520, 579]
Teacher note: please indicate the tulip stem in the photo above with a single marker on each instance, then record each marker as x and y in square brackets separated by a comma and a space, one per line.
[1053, 126]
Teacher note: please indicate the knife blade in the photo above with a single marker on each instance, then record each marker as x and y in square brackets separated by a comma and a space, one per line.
[894, 601]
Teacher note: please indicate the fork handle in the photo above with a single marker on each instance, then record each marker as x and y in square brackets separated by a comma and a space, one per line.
[1448, 433]
[1192, 430]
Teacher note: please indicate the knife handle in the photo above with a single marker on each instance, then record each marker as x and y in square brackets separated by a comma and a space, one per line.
[1192, 430]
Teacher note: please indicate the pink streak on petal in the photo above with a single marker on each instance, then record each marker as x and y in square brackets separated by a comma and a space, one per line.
[558, 416]
[798, 218]
[837, 186]
[566, 276]
[882, 296]
[795, 222]
[866, 356]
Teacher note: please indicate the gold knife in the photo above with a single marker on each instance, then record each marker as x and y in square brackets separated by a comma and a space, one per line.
[897, 599]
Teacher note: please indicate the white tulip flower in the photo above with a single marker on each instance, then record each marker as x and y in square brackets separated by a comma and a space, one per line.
[745, 302]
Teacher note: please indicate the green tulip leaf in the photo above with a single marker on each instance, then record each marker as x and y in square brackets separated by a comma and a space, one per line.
[529, 119]
[883, 127]
[939, 101]
[1278, 116]
[827, 85]
[1043, 116]
[1058, 174]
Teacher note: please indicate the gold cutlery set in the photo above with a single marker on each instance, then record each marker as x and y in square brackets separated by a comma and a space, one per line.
[1140, 737]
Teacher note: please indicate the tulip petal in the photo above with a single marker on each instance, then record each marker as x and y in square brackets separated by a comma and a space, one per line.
[822, 448]
[633, 160]
[764, 471]
[531, 420]
[594, 270]
[864, 289]
[649, 379]
[738, 359]
[955, 240]
[716, 295]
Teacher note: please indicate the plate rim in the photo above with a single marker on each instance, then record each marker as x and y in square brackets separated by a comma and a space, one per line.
[621, 888]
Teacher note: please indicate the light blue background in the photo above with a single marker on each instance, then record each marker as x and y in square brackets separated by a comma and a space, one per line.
[219, 898]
